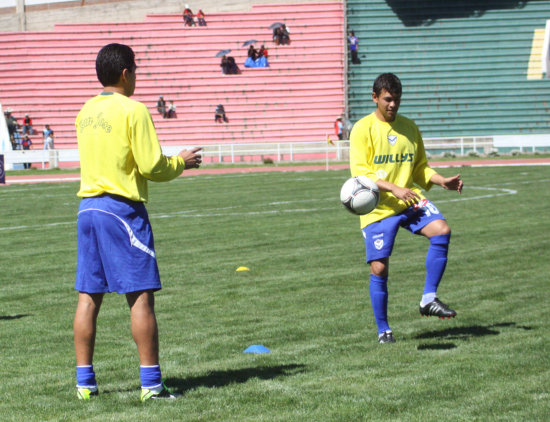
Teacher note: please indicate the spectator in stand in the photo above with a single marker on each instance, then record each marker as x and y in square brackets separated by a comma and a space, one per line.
[281, 35]
[13, 129]
[48, 142]
[232, 66]
[219, 116]
[188, 16]
[27, 125]
[172, 110]
[256, 58]
[261, 61]
[339, 128]
[225, 65]
[200, 18]
[353, 47]
[46, 131]
[276, 35]
[161, 106]
[251, 59]
[10, 117]
[26, 144]
[11, 122]
[284, 35]
[228, 65]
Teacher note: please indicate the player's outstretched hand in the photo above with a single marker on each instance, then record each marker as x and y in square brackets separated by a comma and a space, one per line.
[453, 183]
[191, 158]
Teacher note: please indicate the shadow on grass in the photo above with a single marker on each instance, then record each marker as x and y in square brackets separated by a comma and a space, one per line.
[464, 333]
[223, 378]
[437, 346]
[10, 317]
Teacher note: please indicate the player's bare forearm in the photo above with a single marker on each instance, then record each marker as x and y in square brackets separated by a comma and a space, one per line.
[384, 185]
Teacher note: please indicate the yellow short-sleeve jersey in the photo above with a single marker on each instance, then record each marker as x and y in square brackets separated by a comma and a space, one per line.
[119, 149]
[391, 151]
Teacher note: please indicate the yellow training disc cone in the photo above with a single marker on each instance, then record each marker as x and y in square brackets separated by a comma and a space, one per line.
[243, 269]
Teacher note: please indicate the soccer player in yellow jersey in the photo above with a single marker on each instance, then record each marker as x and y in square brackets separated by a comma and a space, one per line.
[119, 152]
[388, 148]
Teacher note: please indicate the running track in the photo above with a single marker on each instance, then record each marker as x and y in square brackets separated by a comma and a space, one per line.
[71, 177]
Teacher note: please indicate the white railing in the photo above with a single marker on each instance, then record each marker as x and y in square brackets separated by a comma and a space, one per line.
[283, 151]
[288, 151]
[464, 144]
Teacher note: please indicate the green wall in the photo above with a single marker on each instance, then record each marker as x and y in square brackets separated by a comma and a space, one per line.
[463, 64]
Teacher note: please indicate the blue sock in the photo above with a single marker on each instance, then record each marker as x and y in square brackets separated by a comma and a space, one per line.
[150, 376]
[436, 261]
[85, 376]
[378, 289]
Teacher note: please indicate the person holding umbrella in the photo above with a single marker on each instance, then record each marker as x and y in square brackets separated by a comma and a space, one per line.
[281, 34]
[228, 65]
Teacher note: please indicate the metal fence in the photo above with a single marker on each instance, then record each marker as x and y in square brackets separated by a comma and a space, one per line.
[268, 152]
[265, 152]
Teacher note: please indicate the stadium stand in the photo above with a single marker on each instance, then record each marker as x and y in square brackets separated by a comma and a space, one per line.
[43, 15]
[49, 74]
[466, 66]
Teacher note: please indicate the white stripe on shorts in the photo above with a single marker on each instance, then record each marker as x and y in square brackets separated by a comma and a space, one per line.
[134, 241]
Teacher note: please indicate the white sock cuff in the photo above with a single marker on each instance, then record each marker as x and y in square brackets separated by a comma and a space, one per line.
[427, 298]
[90, 387]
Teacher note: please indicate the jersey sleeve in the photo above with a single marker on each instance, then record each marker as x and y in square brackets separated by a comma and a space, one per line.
[361, 152]
[151, 162]
[422, 172]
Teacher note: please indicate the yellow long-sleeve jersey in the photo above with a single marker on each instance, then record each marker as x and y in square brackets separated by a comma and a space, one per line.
[390, 151]
[119, 149]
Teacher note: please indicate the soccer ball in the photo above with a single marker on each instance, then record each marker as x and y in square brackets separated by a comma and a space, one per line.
[359, 195]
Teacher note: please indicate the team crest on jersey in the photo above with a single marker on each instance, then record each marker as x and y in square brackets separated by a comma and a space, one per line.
[382, 174]
[392, 139]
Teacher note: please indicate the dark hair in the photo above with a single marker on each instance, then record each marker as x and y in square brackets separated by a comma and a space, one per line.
[111, 61]
[389, 82]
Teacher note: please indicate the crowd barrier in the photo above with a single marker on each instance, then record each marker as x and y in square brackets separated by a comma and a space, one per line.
[328, 150]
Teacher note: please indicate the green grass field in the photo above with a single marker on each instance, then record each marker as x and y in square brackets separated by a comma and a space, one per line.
[305, 298]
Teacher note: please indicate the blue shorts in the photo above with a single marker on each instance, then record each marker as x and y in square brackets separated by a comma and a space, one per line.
[380, 236]
[116, 251]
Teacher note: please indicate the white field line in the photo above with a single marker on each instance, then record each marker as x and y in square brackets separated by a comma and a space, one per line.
[215, 212]
[37, 226]
[42, 180]
[470, 164]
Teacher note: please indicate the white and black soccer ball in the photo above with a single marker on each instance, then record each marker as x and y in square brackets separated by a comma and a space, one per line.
[359, 195]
